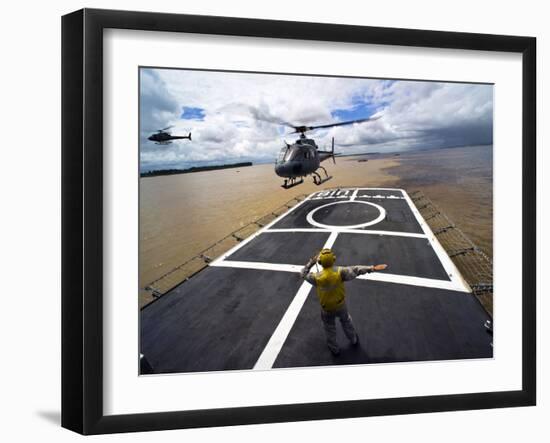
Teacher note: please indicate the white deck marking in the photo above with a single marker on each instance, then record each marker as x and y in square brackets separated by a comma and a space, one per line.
[444, 258]
[377, 197]
[330, 240]
[261, 266]
[382, 197]
[413, 281]
[397, 190]
[279, 336]
[378, 219]
[277, 340]
[343, 193]
[344, 230]
[383, 277]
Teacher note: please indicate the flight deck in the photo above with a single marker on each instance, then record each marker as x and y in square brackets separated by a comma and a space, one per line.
[250, 310]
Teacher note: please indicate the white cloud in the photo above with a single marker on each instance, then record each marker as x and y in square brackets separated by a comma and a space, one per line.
[243, 112]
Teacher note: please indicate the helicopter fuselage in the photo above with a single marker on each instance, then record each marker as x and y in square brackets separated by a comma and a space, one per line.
[165, 138]
[298, 160]
[301, 159]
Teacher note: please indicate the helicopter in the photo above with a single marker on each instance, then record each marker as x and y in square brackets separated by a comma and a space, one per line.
[162, 137]
[303, 157]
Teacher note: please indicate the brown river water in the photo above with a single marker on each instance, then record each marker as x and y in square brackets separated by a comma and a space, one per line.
[460, 182]
[181, 215]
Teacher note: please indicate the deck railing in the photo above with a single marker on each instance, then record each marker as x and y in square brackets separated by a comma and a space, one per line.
[185, 270]
[474, 265]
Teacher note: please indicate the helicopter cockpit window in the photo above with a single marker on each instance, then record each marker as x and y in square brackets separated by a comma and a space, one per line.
[290, 154]
[286, 154]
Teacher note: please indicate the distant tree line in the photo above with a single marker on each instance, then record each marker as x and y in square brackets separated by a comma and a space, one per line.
[358, 154]
[193, 169]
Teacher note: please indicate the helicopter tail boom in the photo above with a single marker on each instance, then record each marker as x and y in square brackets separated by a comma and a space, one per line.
[328, 154]
[180, 137]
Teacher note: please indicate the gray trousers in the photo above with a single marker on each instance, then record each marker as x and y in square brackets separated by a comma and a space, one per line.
[329, 323]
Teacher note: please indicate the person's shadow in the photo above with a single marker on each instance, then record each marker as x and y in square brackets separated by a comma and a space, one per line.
[54, 417]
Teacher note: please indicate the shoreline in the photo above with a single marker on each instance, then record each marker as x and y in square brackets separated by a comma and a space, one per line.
[192, 170]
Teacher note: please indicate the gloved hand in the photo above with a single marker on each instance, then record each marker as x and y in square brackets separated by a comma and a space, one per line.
[312, 261]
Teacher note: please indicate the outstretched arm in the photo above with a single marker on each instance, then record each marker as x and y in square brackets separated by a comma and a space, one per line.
[305, 274]
[351, 272]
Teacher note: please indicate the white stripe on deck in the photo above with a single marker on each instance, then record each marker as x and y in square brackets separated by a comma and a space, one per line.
[444, 258]
[277, 340]
[413, 281]
[344, 230]
[375, 276]
[259, 266]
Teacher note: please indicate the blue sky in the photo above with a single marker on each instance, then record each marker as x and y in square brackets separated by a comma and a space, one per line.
[358, 111]
[190, 113]
[244, 117]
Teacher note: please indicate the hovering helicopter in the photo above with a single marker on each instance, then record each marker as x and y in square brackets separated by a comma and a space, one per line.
[162, 137]
[303, 157]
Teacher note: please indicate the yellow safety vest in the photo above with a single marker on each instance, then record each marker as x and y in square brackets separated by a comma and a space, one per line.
[330, 289]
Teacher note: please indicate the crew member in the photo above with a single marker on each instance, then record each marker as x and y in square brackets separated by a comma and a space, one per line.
[332, 294]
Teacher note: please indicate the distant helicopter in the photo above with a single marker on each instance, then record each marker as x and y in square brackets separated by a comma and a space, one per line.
[162, 137]
[303, 157]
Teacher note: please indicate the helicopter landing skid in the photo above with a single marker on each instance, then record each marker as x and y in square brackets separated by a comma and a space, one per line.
[318, 180]
[290, 183]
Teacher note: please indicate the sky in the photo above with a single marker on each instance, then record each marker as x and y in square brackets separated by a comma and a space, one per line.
[235, 117]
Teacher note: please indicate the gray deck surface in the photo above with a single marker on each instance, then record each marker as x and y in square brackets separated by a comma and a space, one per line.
[294, 248]
[398, 216]
[415, 258]
[428, 324]
[224, 317]
[220, 319]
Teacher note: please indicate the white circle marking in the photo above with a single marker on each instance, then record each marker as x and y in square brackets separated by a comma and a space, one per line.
[361, 225]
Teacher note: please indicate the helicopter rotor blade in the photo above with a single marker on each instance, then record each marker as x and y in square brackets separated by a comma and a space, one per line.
[264, 115]
[330, 125]
[273, 119]
[165, 129]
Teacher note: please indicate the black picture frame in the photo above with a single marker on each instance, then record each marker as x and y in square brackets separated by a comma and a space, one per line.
[82, 218]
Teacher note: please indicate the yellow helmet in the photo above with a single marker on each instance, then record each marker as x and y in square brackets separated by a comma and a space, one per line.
[326, 258]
